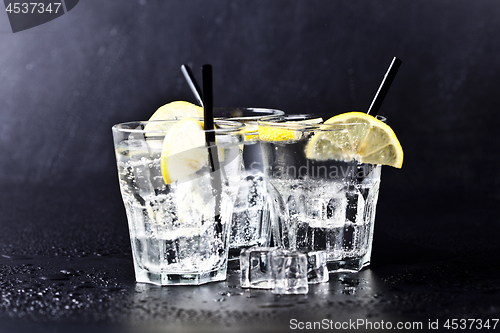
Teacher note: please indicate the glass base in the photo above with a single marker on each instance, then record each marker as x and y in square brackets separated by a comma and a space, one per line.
[348, 265]
[172, 279]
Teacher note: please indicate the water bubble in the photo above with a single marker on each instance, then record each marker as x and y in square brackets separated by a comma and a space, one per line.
[70, 271]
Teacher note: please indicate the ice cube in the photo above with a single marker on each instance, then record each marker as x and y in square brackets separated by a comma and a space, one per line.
[335, 242]
[255, 268]
[355, 205]
[317, 271]
[251, 224]
[316, 209]
[336, 210]
[290, 272]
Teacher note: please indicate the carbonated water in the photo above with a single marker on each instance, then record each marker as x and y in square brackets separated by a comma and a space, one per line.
[329, 205]
[251, 224]
[179, 232]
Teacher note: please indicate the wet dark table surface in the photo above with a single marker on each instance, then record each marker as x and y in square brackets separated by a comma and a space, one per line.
[66, 265]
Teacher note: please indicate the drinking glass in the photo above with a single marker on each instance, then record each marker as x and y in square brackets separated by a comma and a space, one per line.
[320, 204]
[179, 231]
[251, 225]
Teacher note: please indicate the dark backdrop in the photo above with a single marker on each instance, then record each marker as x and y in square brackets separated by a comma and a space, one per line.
[65, 83]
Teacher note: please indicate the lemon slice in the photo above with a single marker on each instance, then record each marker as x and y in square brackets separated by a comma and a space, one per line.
[332, 143]
[177, 110]
[365, 139]
[173, 111]
[269, 133]
[276, 133]
[181, 154]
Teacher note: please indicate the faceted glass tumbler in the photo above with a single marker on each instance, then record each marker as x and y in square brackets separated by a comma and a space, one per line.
[319, 204]
[251, 222]
[179, 230]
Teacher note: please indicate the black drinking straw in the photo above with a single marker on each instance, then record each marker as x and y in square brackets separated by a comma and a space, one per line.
[384, 87]
[208, 106]
[208, 117]
[195, 88]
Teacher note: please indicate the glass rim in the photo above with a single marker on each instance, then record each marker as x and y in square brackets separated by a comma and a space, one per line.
[266, 112]
[283, 121]
[231, 126]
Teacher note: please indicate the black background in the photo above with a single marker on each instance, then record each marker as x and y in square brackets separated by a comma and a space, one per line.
[65, 83]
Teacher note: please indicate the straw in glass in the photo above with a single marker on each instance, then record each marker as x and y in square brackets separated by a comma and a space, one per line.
[384, 87]
[195, 88]
[208, 117]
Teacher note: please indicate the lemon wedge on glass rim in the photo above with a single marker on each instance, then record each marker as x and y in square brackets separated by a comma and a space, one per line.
[172, 111]
[179, 154]
[177, 110]
[359, 136]
[182, 155]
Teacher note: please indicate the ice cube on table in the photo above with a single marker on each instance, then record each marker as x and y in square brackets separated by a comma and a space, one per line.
[317, 271]
[256, 271]
[283, 271]
[290, 272]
